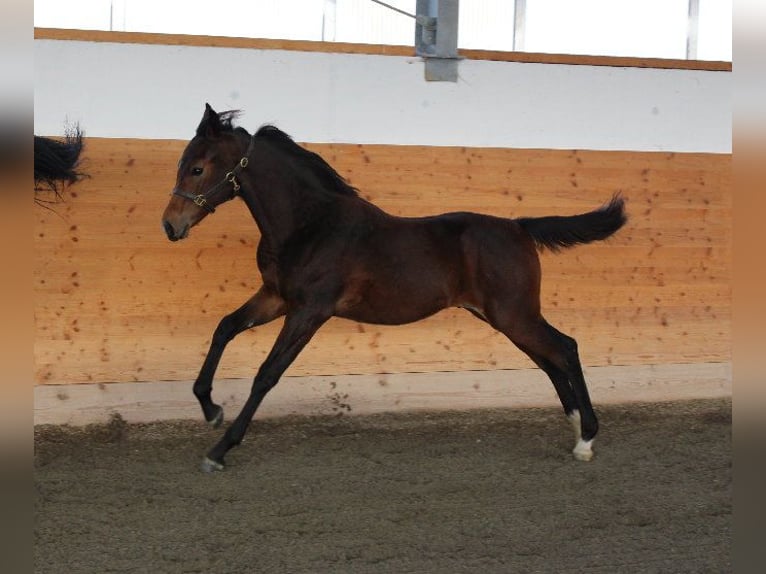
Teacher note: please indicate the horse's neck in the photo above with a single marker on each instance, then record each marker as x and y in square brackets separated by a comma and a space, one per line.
[281, 211]
[267, 224]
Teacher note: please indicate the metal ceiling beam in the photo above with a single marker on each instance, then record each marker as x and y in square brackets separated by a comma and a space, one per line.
[436, 28]
[692, 32]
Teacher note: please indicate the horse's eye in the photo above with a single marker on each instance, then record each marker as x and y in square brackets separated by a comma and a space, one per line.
[196, 171]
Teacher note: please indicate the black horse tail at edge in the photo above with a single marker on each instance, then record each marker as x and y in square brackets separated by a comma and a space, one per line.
[559, 232]
[57, 161]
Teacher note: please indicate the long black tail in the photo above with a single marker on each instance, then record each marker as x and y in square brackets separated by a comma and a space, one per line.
[558, 232]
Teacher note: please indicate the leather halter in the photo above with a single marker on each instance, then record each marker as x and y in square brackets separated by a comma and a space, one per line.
[230, 178]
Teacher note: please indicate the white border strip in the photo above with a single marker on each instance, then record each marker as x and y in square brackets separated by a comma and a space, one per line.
[366, 394]
[158, 92]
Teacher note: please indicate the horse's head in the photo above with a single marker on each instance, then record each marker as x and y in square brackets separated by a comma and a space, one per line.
[207, 173]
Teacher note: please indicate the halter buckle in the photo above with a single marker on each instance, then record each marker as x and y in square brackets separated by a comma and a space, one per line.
[231, 177]
[199, 200]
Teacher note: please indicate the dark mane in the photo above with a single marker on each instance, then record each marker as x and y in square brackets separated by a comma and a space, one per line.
[327, 176]
[330, 178]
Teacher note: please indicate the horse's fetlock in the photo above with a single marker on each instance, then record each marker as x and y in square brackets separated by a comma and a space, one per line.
[590, 429]
[201, 391]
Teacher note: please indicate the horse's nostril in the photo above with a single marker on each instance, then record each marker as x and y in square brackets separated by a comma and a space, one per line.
[171, 233]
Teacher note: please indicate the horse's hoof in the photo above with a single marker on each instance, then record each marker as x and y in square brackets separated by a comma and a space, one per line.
[216, 421]
[209, 466]
[582, 450]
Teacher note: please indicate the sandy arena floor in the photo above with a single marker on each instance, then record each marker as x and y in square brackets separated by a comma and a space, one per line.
[480, 491]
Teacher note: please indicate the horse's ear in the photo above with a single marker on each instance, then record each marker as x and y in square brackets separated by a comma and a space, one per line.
[210, 126]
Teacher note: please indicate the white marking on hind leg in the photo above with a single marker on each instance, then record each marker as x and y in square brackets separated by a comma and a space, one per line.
[582, 450]
[574, 418]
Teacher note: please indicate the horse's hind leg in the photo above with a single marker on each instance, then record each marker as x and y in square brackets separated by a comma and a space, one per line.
[556, 354]
[585, 416]
[261, 308]
[563, 390]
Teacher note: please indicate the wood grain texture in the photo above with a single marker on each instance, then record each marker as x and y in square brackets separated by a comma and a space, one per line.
[116, 302]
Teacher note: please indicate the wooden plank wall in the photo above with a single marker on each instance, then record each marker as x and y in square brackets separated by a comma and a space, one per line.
[116, 302]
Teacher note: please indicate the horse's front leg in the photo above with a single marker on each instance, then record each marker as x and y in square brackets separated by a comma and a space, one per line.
[299, 327]
[261, 308]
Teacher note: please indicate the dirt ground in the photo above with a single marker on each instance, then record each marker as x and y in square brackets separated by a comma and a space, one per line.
[479, 491]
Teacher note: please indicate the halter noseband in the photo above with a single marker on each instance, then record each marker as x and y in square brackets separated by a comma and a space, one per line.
[201, 199]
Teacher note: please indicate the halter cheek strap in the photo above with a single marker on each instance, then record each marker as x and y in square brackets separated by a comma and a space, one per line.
[230, 178]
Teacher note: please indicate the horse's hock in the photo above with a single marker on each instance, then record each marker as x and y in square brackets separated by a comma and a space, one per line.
[123, 318]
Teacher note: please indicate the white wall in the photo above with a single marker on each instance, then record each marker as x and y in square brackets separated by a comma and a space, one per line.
[158, 92]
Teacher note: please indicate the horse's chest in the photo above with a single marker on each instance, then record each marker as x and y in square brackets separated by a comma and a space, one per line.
[268, 265]
[295, 272]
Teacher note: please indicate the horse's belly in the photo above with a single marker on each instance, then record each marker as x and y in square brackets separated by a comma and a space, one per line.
[394, 306]
[395, 317]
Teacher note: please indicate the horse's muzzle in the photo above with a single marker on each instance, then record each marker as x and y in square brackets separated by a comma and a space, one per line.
[171, 232]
